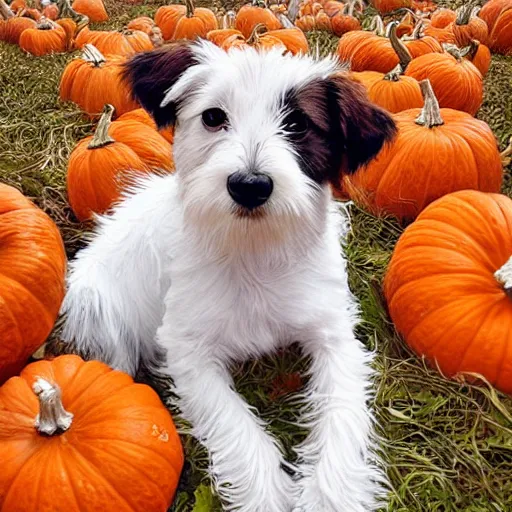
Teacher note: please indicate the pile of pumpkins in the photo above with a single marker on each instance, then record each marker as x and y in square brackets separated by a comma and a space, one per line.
[449, 282]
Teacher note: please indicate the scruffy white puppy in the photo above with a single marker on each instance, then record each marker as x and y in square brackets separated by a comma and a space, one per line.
[236, 255]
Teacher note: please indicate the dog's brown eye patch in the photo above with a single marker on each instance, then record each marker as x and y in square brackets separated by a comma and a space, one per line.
[214, 119]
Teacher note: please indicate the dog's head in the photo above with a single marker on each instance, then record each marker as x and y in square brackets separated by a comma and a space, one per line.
[259, 136]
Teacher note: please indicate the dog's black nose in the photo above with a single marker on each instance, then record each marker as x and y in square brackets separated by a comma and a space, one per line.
[250, 189]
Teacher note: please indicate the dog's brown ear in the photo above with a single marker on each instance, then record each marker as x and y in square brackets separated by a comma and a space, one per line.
[363, 128]
[152, 74]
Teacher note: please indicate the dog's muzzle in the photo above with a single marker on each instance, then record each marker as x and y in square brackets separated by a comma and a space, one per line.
[250, 189]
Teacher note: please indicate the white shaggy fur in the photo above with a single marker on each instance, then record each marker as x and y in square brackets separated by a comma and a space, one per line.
[175, 264]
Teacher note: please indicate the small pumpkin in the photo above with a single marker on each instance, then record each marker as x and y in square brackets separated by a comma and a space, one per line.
[437, 151]
[99, 170]
[387, 6]
[185, 21]
[47, 37]
[113, 42]
[93, 80]
[32, 272]
[393, 91]
[333, 7]
[142, 23]
[480, 56]
[448, 286]
[93, 9]
[140, 115]
[51, 12]
[226, 29]
[500, 39]
[419, 44]
[345, 21]
[457, 83]
[468, 27]
[251, 15]
[442, 18]
[77, 436]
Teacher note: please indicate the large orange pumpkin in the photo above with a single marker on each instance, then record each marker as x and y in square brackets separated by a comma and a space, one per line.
[93, 9]
[78, 436]
[442, 18]
[419, 44]
[185, 21]
[47, 37]
[93, 80]
[449, 286]
[143, 117]
[13, 27]
[437, 151]
[500, 39]
[393, 91]
[125, 42]
[491, 11]
[99, 170]
[468, 26]
[344, 21]
[251, 15]
[387, 6]
[457, 83]
[32, 271]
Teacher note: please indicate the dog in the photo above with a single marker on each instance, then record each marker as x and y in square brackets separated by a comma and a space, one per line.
[236, 255]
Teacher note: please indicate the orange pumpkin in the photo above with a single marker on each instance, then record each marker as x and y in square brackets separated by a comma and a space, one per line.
[78, 436]
[344, 21]
[47, 37]
[449, 288]
[333, 7]
[437, 151]
[480, 56]
[406, 25]
[457, 83]
[492, 10]
[468, 26]
[387, 6]
[18, 5]
[93, 9]
[443, 35]
[185, 21]
[251, 15]
[13, 27]
[143, 23]
[393, 91]
[442, 18]
[419, 44]
[500, 40]
[51, 12]
[99, 169]
[143, 117]
[32, 272]
[226, 29]
[126, 42]
[93, 80]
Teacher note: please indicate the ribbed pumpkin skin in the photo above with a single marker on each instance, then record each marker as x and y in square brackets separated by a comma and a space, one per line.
[500, 39]
[142, 23]
[482, 59]
[121, 453]
[443, 35]
[441, 291]
[476, 29]
[43, 42]
[442, 18]
[249, 16]
[423, 164]
[32, 271]
[93, 9]
[457, 85]
[14, 27]
[394, 96]
[115, 43]
[491, 11]
[97, 177]
[385, 6]
[69, 27]
[423, 46]
[174, 24]
[142, 116]
[91, 87]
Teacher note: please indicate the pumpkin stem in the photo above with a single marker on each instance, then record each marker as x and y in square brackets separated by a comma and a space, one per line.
[293, 10]
[257, 31]
[101, 137]
[45, 24]
[156, 37]
[473, 48]
[416, 33]
[190, 8]
[52, 418]
[400, 49]
[228, 20]
[5, 11]
[464, 14]
[377, 26]
[506, 154]
[430, 115]
[91, 54]
[285, 21]
[504, 277]
[455, 51]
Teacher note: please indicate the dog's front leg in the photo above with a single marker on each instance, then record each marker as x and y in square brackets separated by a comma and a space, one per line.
[337, 467]
[246, 463]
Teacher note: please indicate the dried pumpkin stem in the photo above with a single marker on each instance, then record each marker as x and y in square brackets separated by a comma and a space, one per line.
[504, 277]
[455, 51]
[45, 24]
[91, 54]
[5, 11]
[417, 31]
[228, 20]
[190, 8]
[430, 115]
[257, 31]
[506, 154]
[464, 14]
[52, 418]
[400, 49]
[473, 48]
[293, 10]
[101, 137]
[377, 26]
[285, 21]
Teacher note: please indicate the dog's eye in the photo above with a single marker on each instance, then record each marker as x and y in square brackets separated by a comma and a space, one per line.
[296, 123]
[214, 119]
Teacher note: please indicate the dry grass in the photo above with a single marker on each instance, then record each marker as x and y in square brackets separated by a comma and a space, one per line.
[448, 445]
